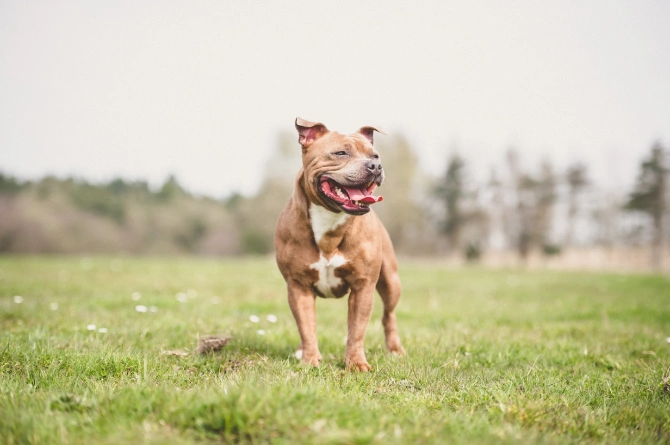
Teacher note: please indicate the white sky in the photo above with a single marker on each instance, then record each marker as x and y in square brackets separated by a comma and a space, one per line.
[143, 89]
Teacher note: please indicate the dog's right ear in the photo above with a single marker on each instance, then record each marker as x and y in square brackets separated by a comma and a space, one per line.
[308, 132]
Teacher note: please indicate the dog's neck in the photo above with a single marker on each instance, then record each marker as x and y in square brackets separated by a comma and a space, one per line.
[324, 221]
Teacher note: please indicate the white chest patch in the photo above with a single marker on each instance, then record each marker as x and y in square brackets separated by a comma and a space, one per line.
[327, 279]
[324, 221]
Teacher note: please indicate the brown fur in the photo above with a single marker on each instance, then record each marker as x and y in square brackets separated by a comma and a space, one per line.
[362, 240]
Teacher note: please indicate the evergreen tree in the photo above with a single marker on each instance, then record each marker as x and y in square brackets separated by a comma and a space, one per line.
[649, 196]
[452, 192]
[577, 180]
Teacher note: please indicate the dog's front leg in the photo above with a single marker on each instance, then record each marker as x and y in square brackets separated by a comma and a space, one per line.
[360, 310]
[302, 302]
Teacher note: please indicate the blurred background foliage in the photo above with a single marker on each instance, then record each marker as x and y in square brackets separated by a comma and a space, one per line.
[527, 214]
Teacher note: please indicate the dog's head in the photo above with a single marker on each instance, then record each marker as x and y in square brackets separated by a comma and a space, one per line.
[341, 171]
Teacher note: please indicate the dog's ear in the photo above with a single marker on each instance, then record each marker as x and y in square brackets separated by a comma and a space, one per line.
[369, 131]
[309, 132]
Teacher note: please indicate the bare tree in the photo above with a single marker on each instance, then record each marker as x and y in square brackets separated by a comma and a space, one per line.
[536, 196]
[512, 216]
[546, 197]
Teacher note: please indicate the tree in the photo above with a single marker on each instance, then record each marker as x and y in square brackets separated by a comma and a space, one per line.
[577, 180]
[403, 211]
[535, 196]
[170, 190]
[464, 223]
[546, 197]
[452, 191]
[649, 196]
[256, 216]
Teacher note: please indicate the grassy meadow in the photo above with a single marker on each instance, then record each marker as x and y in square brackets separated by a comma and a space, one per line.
[99, 350]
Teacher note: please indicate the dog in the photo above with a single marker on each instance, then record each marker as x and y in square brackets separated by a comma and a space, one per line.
[329, 243]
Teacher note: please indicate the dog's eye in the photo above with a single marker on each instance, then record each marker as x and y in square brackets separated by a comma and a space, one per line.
[375, 156]
[340, 153]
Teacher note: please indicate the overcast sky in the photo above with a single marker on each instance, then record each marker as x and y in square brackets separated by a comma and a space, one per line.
[200, 89]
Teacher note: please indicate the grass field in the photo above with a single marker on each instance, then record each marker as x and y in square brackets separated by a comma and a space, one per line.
[504, 356]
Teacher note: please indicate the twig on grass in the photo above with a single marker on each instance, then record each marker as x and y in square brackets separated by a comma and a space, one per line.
[206, 344]
[177, 352]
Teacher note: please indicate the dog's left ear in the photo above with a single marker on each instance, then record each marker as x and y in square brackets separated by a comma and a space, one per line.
[369, 131]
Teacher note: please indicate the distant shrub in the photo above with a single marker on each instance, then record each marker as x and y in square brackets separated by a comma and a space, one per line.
[9, 184]
[170, 190]
[195, 232]
[120, 187]
[551, 249]
[98, 200]
[256, 242]
[473, 252]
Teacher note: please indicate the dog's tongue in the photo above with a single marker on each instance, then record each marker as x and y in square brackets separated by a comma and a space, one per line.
[362, 195]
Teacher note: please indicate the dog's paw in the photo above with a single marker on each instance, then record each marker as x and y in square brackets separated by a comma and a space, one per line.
[358, 365]
[393, 345]
[397, 350]
[309, 358]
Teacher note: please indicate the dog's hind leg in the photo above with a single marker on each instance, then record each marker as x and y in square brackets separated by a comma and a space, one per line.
[389, 288]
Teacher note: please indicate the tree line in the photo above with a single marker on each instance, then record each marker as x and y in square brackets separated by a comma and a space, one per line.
[541, 211]
[547, 211]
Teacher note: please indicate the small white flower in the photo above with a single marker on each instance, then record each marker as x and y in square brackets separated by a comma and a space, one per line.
[91, 327]
[102, 330]
[141, 308]
[18, 299]
[153, 309]
[181, 297]
[298, 354]
[254, 319]
[668, 339]
[260, 332]
[54, 306]
[272, 318]
[136, 296]
[318, 425]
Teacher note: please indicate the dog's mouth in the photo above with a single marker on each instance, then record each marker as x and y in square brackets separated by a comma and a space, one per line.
[355, 199]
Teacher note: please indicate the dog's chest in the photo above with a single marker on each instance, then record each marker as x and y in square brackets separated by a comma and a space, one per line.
[328, 284]
[324, 221]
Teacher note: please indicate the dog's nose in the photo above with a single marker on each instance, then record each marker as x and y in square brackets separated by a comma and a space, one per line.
[374, 167]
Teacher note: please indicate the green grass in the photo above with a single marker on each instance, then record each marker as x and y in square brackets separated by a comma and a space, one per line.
[493, 357]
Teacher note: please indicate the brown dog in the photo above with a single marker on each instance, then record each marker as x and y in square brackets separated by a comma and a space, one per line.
[329, 243]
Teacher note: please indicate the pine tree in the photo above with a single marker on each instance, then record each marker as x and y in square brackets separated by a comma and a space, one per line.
[577, 180]
[452, 192]
[649, 196]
